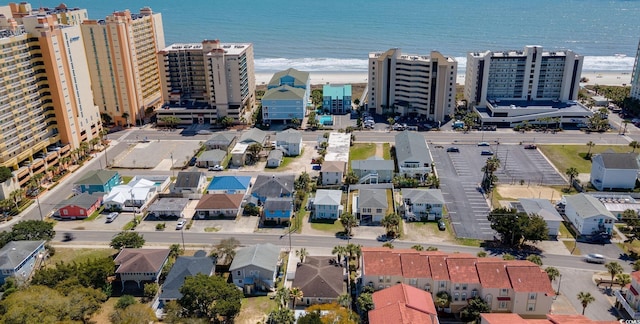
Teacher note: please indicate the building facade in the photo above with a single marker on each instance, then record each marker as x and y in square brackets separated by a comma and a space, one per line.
[336, 99]
[286, 97]
[422, 86]
[635, 77]
[125, 73]
[202, 82]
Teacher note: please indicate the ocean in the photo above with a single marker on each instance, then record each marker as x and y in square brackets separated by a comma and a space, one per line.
[337, 35]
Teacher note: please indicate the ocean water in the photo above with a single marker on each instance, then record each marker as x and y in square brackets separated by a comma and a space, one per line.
[337, 35]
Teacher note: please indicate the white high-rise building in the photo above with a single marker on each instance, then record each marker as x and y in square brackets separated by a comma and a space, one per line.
[635, 77]
[412, 85]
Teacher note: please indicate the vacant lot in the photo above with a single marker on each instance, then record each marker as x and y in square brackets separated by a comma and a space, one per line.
[567, 156]
[513, 192]
[255, 309]
[68, 255]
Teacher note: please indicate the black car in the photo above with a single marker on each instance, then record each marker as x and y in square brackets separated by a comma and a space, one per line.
[68, 237]
[453, 149]
[530, 147]
[441, 225]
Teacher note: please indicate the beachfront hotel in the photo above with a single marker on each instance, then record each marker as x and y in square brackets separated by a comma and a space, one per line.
[286, 97]
[125, 72]
[412, 85]
[45, 88]
[202, 82]
[507, 88]
[635, 76]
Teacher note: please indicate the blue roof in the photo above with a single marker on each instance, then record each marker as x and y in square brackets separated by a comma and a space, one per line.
[229, 183]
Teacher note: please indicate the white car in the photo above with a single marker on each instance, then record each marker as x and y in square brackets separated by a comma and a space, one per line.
[216, 168]
[181, 224]
[595, 258]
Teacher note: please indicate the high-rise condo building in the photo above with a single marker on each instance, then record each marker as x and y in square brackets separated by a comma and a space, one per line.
[45, 89]
[203, 82]
[412, 85]
[635, 77]
[125, 72]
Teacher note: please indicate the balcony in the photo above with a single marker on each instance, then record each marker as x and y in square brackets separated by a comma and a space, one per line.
[630, 310]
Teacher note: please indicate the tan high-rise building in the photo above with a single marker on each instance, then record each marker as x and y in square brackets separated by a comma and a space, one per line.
[205, 81]
[412, 85]
[45, 90]
[122, 54]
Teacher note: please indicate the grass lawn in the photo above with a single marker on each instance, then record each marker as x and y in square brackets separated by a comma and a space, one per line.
[126, 179]
[334, 227]
[567, 156]
[361, 151]
[416, 231]
[571, 246]
[94, 215]
[565, 231]
[68, 255]
[255, 309]
[103, 315]
[469, 242]
[296, 225]
[386, 151]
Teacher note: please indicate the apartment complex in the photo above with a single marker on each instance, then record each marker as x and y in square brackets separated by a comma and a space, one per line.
[511, 87]
[336, 98]
[515, 286]
[635, 76]
[412, 85]
[205, 81]
[286, 97]
[125, 72]
[45, 89]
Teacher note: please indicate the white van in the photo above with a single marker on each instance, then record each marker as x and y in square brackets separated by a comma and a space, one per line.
[112, 216]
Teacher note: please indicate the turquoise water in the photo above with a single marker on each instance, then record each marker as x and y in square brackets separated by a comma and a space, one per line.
[326, 120]
[334, 35]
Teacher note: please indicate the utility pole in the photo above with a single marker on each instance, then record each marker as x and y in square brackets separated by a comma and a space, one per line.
[39, 209]
[182, 234]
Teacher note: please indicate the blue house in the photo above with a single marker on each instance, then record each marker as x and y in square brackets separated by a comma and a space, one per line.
[19, 259]
[98, 181]
[287, 96]
[231, 185]
[336, 99]
[278, 210]
[273, 186]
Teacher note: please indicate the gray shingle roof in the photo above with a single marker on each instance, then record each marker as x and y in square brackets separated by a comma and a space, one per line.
[627, 161]
[284, 92]
[273, 185]
[188, 179]
[212, 155]
[333, 166]
[540, 207]
[253, 135]
[289, 136]
[285, 203]
[319, 277]
[328, 197]
[140, 260]
[423, 195]
[169, 204]
[372, 164]
[411, 146]
[97, 177]
[221, 139]
[587, 206]
[275, 155]
[184, 267]
[372, 198]
[263, 256]
[83, 200]
[15, 252]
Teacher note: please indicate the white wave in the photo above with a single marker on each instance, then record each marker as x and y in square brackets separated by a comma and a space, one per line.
[263, 65]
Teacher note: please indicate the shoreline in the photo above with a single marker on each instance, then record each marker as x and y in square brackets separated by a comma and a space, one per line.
[612, 78]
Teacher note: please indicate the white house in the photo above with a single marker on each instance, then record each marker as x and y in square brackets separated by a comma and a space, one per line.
[629, 299]
[542, 208]
[332, 172]
[588, 214]
[371, 205]
[135, 195]
[373, 170]
[327, 205]
[290, 142]
[256, 267]
[413, 155]
[614, 170]
[275, 158]
[422, 204]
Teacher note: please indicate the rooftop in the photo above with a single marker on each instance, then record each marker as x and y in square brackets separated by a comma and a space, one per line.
[230, 183]
[565, 106]
[229, 48]
[320, 277]
[220, 201]
[264, 256]
[140, 260]
[15, 252]
[587, 206]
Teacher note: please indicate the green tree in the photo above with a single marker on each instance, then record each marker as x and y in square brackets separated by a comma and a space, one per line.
[172, 312]
[225, 121]
[534, 258]
[515, 227]
[175, 250]
[125, 301]
[475, 306]
[310, 318]
[508, 257]
[227, 248]
[636, 265]
[614, 268]
[127, 239]
[213, 297]
[348, 221]
[572, 173]
[488, 178]
[443, 299]
[590, 145]
[302, 254]
[585, 299]
[170, 121]
[84, 302]
[282, 297]
[254, 151]
[344, 300]
[552, 272]
[339, 251]
[106, 118]
[364, 303]
[634, 145]
[388, 245]
[125, 116]
[418, 247]
[391, 223]
[32, 230]
[5, 174]
[281, 315]
[134, 314]
[351, 178]
[151, 290]
[296, 294]
[481, 254]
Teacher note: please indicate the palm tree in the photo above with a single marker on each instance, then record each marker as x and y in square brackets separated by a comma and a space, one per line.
[16, 196]
[94, 141]
[552, 272]
[572, 173]
[614, 268]
[491, 166]
[344, 300]
[302, 254]
[442, 299]
[339, 251]
[623, 279]
[282, 296]
[590, 144]
[348, 221]
[534, 258]
[391, 223]
[354, 251]
[295, 294]
[634, 145]
[585, 299]
[418, 247]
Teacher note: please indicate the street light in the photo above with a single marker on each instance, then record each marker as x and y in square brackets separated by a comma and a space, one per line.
[173, 172]
[182, 234]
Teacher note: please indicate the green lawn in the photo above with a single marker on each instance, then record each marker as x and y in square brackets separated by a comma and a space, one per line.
[334, 227]
[67, 255]
[287, 160]
[94, 215]
[565, 231]
[255, 309]
[571, 246]
[567, 156]
[361, 151]
[386, 151]
[126, 179]
[296, 225]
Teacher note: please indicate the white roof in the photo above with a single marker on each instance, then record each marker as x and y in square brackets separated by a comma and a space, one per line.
[240, 148]
[136, 191]
[328, 197]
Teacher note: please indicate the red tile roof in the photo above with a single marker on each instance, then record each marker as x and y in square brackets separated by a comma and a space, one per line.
[438, 266]
[575, 319]
[382, 263]
[529, 279]
[508, 318]
[415, 266]
[504, 318]
[463, 270]
[493, 274]
[402, 304]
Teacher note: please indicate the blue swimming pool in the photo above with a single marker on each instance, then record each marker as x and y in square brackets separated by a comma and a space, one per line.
[325, 120]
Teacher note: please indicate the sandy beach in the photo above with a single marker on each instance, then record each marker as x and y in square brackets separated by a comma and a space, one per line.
[600, 78]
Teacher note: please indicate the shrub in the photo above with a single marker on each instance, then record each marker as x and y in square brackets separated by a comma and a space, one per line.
[125, 301]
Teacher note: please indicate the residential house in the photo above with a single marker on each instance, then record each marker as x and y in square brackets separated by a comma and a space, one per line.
[320, 280]
[327, 204]
[98, 181]
[185, 266]
[253, 136]
[221, 141]
[160, 181]
[373, 170]
[290, 142]
[371, 205]
[629, 299]
[278, 210]
[275, 158]
[255, 268]
[515, 286]
[287, 95]
[336, 98]
[168, 207]
[19, 259]
[413, 155]
[79, 206]
[239, 154]
[219, 205]
[403, 304]
[507, 318]
[229, 185]
[542, 208]
[189, 183]
[140, 265]
[134, 196]
[422, 204]
[273, 186]
[211, 158]
[588, 215]
[614, 171]
[332, 172]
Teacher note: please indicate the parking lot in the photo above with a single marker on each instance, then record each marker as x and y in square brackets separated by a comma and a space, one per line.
[519, 164]
[151, 154]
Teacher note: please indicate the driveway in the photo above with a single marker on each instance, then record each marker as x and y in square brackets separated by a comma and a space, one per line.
[574, 281]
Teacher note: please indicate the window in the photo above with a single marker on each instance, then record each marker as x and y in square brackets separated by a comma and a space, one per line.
[456, 296]
[388, 278]
[502, 305]
[531, 307]
[503, 292]
[474, 293]
[457, 287]
[381, 279]
[238, 272]
[427, 287]
[442, 284]
[413, 281]
[464, 286]
[532, 296]
[464, 296]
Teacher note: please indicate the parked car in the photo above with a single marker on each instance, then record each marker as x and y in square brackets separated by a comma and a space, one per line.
[193, 161]
[453, 149]
[530, 147]
[486, 153]
[216, 168]
[483, 144]
[595, 258]
[441, 225]
[316, 167]
[112, 216]
[181, 224]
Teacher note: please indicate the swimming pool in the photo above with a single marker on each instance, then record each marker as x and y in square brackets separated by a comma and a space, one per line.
[325, 120]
